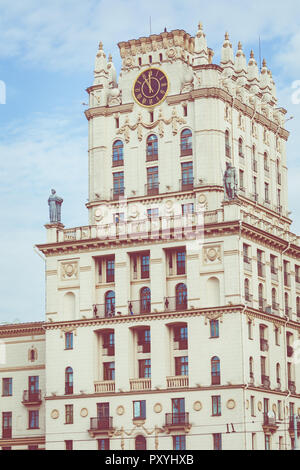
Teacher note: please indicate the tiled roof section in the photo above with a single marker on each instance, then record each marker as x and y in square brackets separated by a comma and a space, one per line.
[22, 329]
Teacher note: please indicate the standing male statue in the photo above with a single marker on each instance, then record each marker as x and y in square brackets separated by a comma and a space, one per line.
[54, 203]
[230, 182]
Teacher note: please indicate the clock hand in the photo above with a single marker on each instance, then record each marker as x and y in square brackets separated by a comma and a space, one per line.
[148, 83]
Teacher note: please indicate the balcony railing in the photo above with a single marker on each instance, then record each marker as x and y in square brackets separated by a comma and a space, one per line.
[175, 419]
[181, 381]
[265, 380]
[264, 345]
[139, 307]
[187, 184]
[275, 307]
[103, 311]
[101, 424]
[175, 304]
[140, 384]
[152, 189]
[116, 193]
[32, 397]
[105, 386]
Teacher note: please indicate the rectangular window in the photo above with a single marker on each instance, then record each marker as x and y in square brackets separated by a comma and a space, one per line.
[139, 409]
[152, 180]
[144, 340]
[217, 439]
[187, 209]
[181, 366]
[69, 414]
[267, 442]
[145, 369]
[281, 443]
[33, 383]
[216, 405]
[253, 441]
[214, 328]
[279, 406]
[69, 340]
[187, 175]
[252, 405]
[241, 179]
[153, 213]
[180, 261]
[103, 410]
[145, 266]
[6, 424]
[109, 370]
[33, 419]
[69, 445]
[118, 184]
[103, 444]
[267, 198]
[7, 387]
[179, 443]
[110, 270]
[178, 408]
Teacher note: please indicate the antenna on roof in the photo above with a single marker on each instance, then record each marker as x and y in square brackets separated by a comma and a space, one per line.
[150, 27]
[259, 42]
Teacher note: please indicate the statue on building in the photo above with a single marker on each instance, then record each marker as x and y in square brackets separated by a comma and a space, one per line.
[54, 203]
[230, 182]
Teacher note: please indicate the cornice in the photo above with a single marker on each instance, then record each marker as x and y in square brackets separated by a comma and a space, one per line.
[22, 329]
[20, 441]
[108, 111]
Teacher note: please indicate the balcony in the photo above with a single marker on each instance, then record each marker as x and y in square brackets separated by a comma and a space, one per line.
[152, 189]
[32, 398]
[117, 193]
[175, 304]
[247, 263]
[187, 184]
[139, 307]
[181, 381]
[265, 381]
[103, 311]
[261, 271]
[140, 384]
[292, 386]
[269, 424]
[6, 433]
[264, 345]
[177, 421]
[105, 386]
[101, 426]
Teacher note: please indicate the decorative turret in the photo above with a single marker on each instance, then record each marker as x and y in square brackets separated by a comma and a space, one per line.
[273, 87]
[100, 72]
[265, 82]
[200, 50]
[253, 74]
[227, 57]
[112, 74]
[240, 64]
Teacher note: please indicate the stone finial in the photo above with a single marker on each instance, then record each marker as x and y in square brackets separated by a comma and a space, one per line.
[227, 58]
[200, 50]
[253, 73]
[240, 64]
[101, 63]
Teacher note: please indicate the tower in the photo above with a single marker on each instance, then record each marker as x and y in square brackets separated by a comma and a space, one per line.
[171, 316]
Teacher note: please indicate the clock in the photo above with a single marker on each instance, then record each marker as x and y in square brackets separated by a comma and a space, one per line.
[151, 87]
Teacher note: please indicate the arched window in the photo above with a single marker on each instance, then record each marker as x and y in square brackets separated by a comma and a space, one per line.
[247, 290]
[109, 303]
[152, 148]
[241, 153]
[69, 381]
[118, 154]
[227, 144]
[145, 300]
[215, 371]
[140, 443]
[181, 297]
[186, 143]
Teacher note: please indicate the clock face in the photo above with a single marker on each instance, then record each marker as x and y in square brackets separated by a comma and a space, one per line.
[151, 87]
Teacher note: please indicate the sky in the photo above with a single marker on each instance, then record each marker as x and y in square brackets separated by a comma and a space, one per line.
[47, 55]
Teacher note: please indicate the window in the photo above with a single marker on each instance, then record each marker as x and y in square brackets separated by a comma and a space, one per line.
[186, 144]
[69, 445]
[278, 375]
[181, 366]
[144, 340]
[33, 422]
[145, 369]
[241, 152]
[140, 443]
[250, 330]
[214, 328]
[109, 303]
[181, 336]
[139, 409]
[185, 110]
[215, 371]
[217, 440]
[251, 373]
[277, 342]
[140, 61]
[69, 381]
[187, 209]
[151, 147]
[110, 270]
[68, 414]
[145, 300]
[7, 387]
[69, 340]
[216, 405]
[153, 213]
[180, 262]
[109, 343]
[260, 264]
[181, 297]
[6, 425]
[267, 442]
[247, 290]
[178, 410]
[179, 443]
[145, 271]
[103, 444]
[187, 176]
[279, 407]
[298, 306]
[152, 181]
[118, 158]
[254, 161]
[241, 180]
[266, 162]
[119, 217]
[109, 371]
[160, 57]
[253, 441]
[261, 301]
[267, 198]
[118, 184]
[252, 405]
[117, 122]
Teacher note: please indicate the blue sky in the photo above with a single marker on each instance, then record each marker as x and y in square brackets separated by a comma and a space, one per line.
[47, 54]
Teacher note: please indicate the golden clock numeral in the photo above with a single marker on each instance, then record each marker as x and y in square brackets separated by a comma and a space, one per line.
[139, 96]
[144, 100]
[151, 101]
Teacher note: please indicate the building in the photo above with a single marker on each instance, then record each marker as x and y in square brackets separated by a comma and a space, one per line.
[172, 318]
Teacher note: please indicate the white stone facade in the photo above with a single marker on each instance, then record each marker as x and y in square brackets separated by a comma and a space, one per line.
[201, 308]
